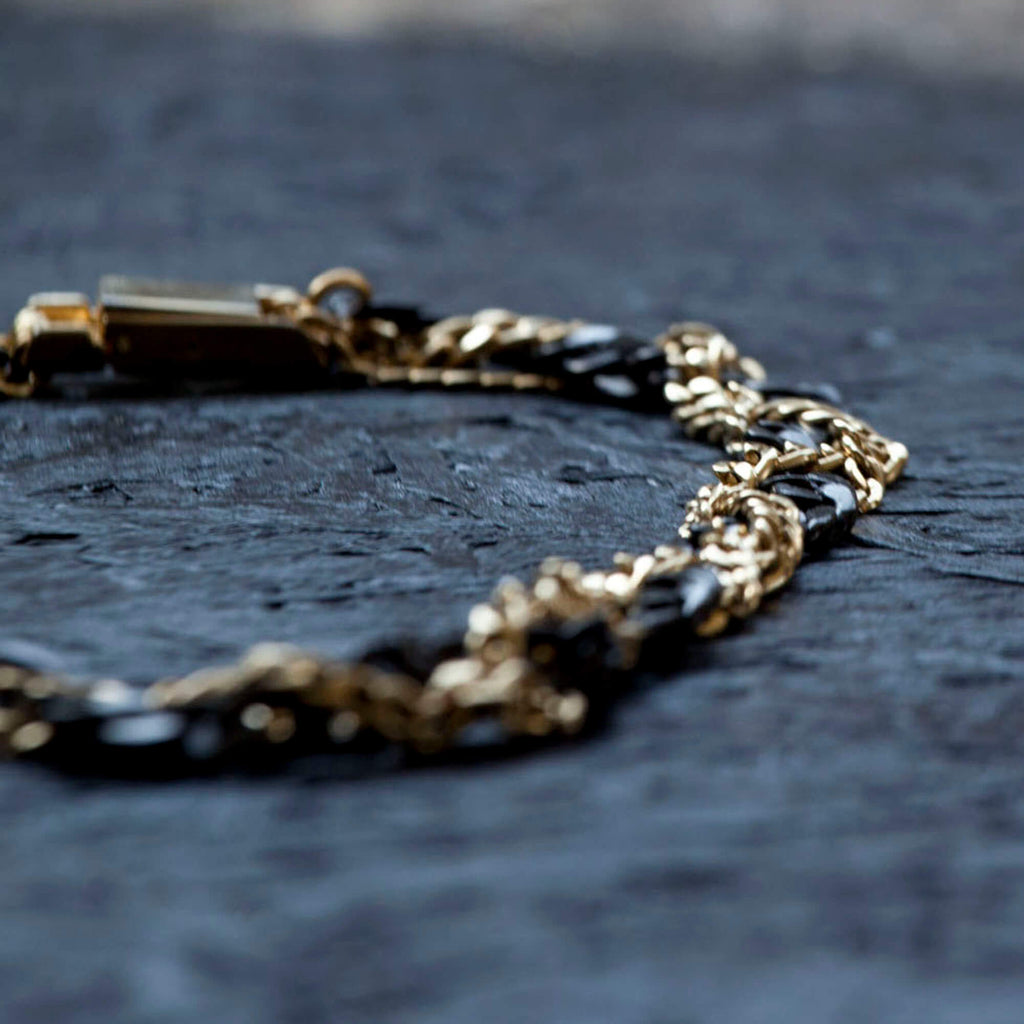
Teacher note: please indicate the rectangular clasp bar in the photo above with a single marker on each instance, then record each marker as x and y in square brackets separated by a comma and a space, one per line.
[157, 328]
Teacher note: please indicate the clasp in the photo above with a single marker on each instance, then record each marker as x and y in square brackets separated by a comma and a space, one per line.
[159, 328]
[146, 328]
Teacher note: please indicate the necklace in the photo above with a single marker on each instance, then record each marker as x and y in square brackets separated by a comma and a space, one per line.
[540, 659]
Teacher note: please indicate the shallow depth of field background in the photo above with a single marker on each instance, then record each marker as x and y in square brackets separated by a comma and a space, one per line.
[950, 36]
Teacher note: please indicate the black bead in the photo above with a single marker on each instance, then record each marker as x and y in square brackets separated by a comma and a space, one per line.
[592, 341]
[114, 738]
[148, 729]
[778, 432]
[772, 388]
[678, 601]
[77, 709]
[412, 657]
[114, 732]
[670, 608]
[637, 380]
[206, 738]
[117, 718]
[696, 531]
[408, 319]
[827, 504]
[596, 361]
[580, 654]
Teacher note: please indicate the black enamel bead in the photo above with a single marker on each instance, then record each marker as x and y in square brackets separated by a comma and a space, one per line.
[634, 377]
[590, 341]
[412, 657]
[696, 531]
[581, 654]
[115, 721]
[77, 709]
[772, 388]
[638, 379]
[778, 432]
[408, 319]
[598, 361]
[115, 739]
[116, 736]
[148, 729]
[827, 504]
[669, 610]
[677, 602]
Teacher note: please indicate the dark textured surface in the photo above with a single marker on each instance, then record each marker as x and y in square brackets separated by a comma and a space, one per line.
[822, 820]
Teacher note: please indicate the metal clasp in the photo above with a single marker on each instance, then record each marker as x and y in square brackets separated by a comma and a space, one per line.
[159, 328]
[148, 328]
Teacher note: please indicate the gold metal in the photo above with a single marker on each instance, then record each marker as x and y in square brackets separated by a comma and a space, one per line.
[750, 539]
[340, 279]
[156, 328]
[55, 332]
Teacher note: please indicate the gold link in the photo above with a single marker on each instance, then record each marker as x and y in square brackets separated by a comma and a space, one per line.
[339, 279]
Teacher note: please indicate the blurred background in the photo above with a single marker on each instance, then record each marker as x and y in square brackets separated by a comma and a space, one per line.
[951, 36]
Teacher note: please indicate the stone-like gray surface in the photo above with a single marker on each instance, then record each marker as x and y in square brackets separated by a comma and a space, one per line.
[821, 820]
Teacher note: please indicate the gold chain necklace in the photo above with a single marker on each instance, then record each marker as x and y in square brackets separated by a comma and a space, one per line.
[539, 659]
